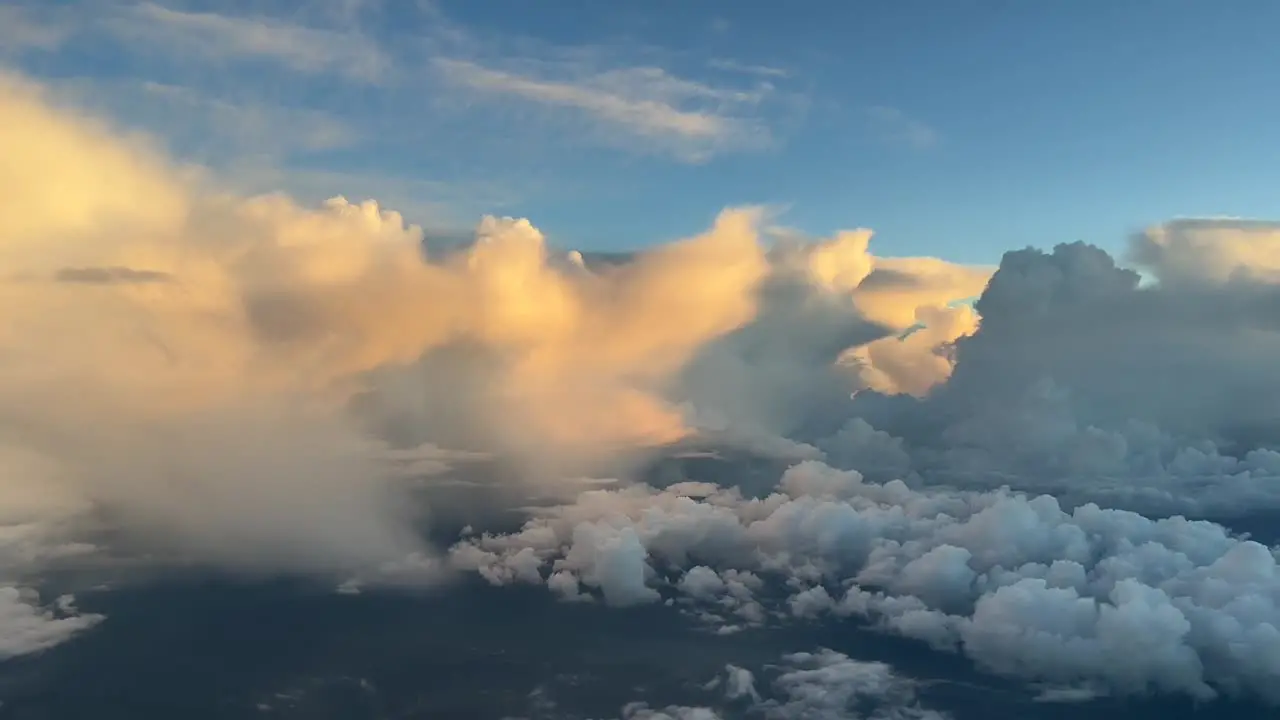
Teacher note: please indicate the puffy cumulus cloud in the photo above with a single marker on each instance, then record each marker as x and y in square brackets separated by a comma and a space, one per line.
[1085, 382]
[1183, 358]
[1088, 598]
[26, 627]
[828, 684]
[820, 684]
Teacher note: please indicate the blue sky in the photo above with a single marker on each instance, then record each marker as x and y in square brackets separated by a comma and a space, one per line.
[957, 128]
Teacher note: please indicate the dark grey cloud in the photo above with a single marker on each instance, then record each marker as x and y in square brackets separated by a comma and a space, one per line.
[113, 275]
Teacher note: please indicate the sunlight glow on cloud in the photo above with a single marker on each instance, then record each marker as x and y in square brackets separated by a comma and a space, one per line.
[1209, 250]
[187, 359]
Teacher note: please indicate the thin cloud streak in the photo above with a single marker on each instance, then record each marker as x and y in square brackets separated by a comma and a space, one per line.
[297, 47]
[728, 65]
[644, 102]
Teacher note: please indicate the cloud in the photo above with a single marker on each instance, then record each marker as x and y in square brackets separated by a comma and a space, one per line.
[227, 38]
[27, 628]
[819, 684]
[641, 711]
[831, 684]
[834, 319]
[1090, 598]
[691, 119]
[1210, 250]
[1102, 398]
[108, 275]
[146, 400]
[302, 93]
[190, 363]
[896, 127]
[734, 66]
[247, 381]
[1084, 383]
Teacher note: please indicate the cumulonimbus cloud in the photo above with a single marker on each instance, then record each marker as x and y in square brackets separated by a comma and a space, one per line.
[227, 378]
[1096, 396]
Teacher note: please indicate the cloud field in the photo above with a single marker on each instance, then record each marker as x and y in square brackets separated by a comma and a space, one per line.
[1050, 480]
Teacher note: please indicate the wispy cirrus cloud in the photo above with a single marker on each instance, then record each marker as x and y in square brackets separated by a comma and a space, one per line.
[215, 36]
[301, 96]
[690, 119]
[728, 65]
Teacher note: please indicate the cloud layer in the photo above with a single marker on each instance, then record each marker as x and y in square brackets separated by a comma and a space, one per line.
[1089, 598]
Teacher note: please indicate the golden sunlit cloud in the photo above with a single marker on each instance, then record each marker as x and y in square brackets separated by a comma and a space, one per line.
[195, 362]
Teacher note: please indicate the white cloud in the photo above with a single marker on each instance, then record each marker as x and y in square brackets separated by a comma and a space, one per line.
[1209, 250]
[828, 684]
[26, 627]
[257, 84]
[1080, 382]
[734, 66]
[689, 118]
[803, 686]
[225, 37]
[442, 208]
[641, 711]
[1091, 599]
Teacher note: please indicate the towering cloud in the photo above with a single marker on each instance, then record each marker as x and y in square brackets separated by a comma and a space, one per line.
[183, 358]
[239, 380]
[1082, 382]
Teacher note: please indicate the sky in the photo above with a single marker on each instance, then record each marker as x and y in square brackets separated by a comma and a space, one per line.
[952, 129]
